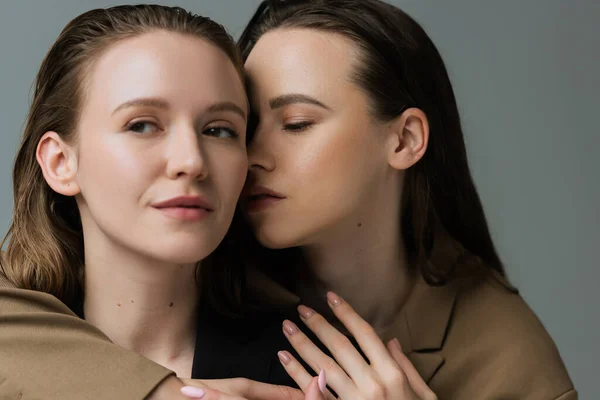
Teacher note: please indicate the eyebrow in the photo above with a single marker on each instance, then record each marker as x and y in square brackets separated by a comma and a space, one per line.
[294, 98]
[146, 102]
[228, 106]
[163, 104]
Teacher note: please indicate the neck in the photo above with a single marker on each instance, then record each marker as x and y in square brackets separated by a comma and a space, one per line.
[143, 305]
[365, 264]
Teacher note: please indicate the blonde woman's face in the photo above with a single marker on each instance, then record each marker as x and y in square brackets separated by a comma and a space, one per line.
[161, 156]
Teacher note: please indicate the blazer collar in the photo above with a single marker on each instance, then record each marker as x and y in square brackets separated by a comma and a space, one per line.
[420, 326]
[422, 323]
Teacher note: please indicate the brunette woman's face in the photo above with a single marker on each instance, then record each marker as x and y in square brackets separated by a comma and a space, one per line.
[160, 151]
[317, 150]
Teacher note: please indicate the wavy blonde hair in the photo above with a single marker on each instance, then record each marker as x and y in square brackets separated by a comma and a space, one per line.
[45, 240]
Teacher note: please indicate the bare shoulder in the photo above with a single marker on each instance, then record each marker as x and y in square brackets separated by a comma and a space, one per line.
[495, 338]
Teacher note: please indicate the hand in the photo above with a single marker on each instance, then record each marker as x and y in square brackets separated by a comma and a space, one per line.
[317, 388]
[240, 388]
[172, 389]
[389, 375]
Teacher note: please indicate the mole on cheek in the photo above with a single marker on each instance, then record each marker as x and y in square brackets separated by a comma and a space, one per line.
[171, 304]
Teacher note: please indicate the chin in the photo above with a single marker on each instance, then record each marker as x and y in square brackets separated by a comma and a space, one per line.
[180, 258]
[183, 253]
[278, 238]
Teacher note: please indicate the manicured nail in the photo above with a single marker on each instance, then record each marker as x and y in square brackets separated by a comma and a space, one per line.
[397, 344]
[289, 327]
[305, 312]
[193, 392]
[284, 357]
[322, 381]
[334, 299]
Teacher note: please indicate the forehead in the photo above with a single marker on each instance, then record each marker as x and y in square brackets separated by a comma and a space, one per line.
[175, 66]
[301, 59]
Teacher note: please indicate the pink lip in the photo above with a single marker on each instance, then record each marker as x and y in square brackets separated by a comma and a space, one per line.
[259, 198]
[185, 208]
[254, 191]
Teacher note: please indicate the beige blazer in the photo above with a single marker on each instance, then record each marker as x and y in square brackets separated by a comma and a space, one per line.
[468, 339]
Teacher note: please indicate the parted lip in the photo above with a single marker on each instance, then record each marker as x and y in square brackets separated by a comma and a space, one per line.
[256, 191]
[185, 202]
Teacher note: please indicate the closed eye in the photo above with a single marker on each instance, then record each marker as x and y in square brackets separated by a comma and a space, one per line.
[297, 127]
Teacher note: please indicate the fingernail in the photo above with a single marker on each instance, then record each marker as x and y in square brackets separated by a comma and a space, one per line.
[397, 344]
[284, 357]
[194, 392]
[289, 327]
[322, 381]
[334, 299]
[305, 312]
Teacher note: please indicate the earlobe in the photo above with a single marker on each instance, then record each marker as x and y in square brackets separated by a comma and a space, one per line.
[59, 164]
[409, 136]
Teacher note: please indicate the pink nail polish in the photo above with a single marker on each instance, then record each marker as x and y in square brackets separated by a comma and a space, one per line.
[289, 327]
[284, 357]
[334, 299]
[322, 381]
[397, 344]
[305, 312]
[193, 392]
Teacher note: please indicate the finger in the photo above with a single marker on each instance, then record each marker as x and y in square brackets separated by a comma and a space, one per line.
[363, 332]
[417, 383]
[265, 391]
[313, 391]
[250, 389]
[207, 394]
[297, 372]
[314, 357]
[339, 345]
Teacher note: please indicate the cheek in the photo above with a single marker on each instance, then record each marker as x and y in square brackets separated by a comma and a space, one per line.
[332, 168]
[228, 169]
[112, 164]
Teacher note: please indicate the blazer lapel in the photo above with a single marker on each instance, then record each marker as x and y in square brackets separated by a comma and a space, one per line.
[423, 321]
[422, 324]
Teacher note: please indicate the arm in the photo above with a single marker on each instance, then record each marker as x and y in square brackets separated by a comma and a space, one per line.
[47, 352]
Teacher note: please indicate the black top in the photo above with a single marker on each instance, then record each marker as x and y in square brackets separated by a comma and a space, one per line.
[242, 347]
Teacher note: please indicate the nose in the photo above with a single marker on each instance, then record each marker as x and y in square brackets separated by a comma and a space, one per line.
[185, 155]
[260, 151]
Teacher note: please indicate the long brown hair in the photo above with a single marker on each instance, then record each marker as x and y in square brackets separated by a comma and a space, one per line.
[45, 239]
[400, 67]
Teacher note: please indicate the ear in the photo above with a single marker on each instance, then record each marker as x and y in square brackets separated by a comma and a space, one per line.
[59, 164]
[409, 136]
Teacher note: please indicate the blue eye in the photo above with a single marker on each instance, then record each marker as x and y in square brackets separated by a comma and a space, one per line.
[221, 132]
[142, 127]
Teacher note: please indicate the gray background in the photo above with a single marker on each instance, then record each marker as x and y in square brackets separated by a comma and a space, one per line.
[526, 78]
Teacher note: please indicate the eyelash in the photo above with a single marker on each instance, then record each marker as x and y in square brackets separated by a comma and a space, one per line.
[132, 124]
[297, 127]
[232, 132]
[129, 126]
